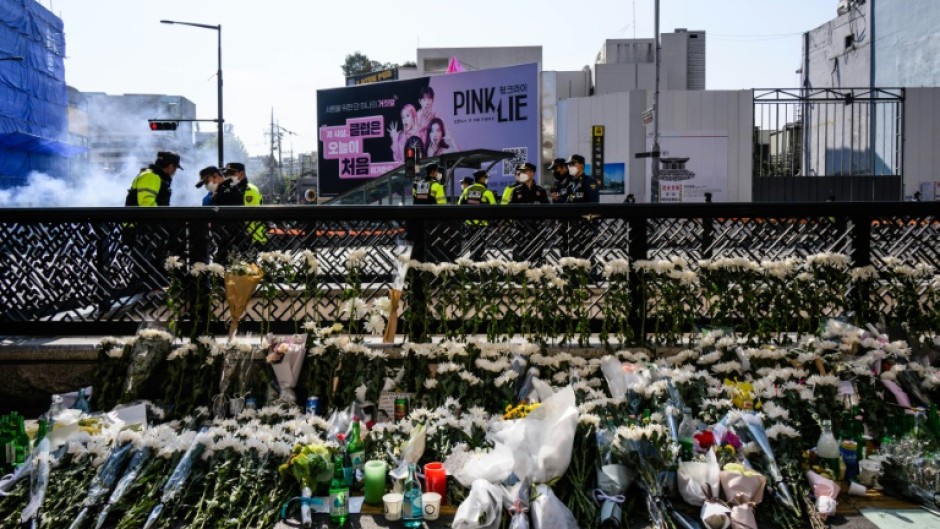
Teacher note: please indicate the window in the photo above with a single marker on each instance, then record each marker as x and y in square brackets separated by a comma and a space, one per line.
[435, 65]
[850, 41]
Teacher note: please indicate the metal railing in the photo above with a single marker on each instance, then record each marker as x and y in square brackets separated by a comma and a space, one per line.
[87, 271]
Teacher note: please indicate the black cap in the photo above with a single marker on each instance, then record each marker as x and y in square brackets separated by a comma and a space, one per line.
[205, 173]
[232, 168]
[576, 158]
[431, 168]
[480, 175]
[527, 166]
[467, 180]
[165, 158]
[555, 163]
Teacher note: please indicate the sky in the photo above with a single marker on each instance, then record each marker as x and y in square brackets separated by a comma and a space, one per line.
[277, 53]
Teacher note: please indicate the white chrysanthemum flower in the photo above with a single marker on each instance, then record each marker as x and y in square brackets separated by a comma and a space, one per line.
[173, 262]
[507, 377]
[353, 308]
[557, 282]
[709, 358]
[823, 380]
[375, 324]
[724, 368]
[115, 352]
[779, 429]
[155, 334]
[383, 305]
[430, 383]
[355, 257]
[470, 378]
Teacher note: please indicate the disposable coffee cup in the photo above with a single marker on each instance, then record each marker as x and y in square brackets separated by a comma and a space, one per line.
[869, 470]
[392, 503]
[432, 505]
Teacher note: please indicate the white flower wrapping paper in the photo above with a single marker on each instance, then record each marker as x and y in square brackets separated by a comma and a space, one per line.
[743, 490]
[700, 484]
[287, 371]
[482, 509]
[826, 492]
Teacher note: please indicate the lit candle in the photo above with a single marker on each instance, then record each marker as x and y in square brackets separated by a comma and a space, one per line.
[435, 476]
[375, 482]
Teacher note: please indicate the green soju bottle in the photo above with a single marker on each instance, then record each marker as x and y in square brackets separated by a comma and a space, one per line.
[339, 494]
[356, 450]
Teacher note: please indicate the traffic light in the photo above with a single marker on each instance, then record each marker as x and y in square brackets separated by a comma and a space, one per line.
[411, 158]
[163, 125]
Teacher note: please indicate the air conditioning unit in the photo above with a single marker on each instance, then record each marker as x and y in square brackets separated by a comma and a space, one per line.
[843, 7]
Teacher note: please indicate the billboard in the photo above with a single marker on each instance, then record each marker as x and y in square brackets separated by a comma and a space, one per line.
[363, 130]
[692, 163]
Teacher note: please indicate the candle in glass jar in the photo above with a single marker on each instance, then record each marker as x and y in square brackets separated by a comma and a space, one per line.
[435, 476]
[374, 481]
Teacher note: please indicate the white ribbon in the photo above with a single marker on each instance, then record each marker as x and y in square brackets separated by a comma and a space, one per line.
[602, 496]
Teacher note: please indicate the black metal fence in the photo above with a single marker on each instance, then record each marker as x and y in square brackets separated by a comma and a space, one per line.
[101, 270]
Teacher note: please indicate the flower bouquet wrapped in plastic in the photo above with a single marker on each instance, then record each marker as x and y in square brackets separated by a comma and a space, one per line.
[138, 460]
[613, 479]
[174, 485]
[743, 488]
[309, 465]
[102, 482]
[756, 429]
[39, 481]
[286, 357]
[241, 280]
[411, 451]
[646, 449]
[481, 471]
[700, 484]
[541, 444]
[826, 492]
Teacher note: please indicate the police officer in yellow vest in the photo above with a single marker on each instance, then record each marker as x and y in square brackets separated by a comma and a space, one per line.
[476, 195]
[152, 186]
[238, 191]
[429, 190]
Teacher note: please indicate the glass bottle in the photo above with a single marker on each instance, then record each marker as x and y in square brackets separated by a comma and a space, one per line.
[6, 444]
[22, 441]
[345, 461]
[827, 448]
[339, 494]
[355, 449]
[412, 509]
[686, 431]
[81, 403]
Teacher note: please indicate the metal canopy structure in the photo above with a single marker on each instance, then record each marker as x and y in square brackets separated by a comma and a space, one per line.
[394, 187]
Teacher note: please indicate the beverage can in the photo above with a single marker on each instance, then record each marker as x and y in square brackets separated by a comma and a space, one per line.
[401, 408]
[313, 403]
[251, 403]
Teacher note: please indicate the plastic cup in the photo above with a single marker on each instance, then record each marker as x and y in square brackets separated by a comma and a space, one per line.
[868, 471]
[375, 481]
[435, 478]
[432, 505]
[856, 489]
[393, 506]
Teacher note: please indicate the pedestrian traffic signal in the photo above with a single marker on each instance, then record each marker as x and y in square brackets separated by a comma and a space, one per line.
[163, 125]
[411, 158]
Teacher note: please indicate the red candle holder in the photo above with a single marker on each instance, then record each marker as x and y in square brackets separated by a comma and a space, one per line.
[435, 479]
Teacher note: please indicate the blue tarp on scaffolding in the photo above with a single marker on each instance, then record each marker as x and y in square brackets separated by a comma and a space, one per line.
[33, 97]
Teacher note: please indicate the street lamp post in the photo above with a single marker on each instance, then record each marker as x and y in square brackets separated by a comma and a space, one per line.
[220, 120]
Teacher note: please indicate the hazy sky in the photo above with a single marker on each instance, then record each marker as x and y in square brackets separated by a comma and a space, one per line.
[277, 53]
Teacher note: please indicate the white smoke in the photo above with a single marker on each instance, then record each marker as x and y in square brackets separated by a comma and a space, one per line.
[93, 190]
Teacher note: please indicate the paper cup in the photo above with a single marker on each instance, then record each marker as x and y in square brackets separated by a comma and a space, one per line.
[393, 506]
[432, 505]
[856, 489]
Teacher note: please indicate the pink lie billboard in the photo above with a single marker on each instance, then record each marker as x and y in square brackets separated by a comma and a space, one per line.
[364, 130]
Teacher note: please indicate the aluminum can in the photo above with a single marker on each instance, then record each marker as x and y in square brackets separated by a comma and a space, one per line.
[313, 403]
[401, 408]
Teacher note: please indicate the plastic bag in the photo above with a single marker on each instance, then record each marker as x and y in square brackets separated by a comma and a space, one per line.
[548, 512]
[482, 509]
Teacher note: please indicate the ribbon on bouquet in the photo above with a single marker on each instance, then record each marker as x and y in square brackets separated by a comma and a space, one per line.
[601, 496]
[610, 506]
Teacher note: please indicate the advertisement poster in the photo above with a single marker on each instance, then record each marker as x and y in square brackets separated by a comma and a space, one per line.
[614, 180]
[692, 163]
[364, 130]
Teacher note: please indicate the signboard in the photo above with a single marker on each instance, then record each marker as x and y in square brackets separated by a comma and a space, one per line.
[390, 74]
[648, 117]
[692, 163]
[364, 130]
[614, 180]
[597, 153]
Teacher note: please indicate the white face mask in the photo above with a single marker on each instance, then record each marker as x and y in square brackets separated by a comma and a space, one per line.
[523, 177]
[212, 187]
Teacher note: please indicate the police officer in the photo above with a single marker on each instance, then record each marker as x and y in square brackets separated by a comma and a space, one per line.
[430, 190]
[148, 243]
[527, 241]
[583, 190]
[527, 191]
[507, 193]
[561, 186]
[583, 187]
[236, 190]
[152, 186]
[211, 178]
[476, 195]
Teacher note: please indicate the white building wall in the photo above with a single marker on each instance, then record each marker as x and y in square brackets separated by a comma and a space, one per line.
[625, 134]
[921, 155]
[832, 64]
[907, 42]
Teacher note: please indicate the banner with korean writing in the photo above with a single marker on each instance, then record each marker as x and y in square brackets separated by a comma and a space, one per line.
[692, 163]
[364, 130]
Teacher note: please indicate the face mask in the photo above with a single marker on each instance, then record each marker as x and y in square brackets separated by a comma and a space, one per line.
[524, 177]
[212, 187]
[573, 170]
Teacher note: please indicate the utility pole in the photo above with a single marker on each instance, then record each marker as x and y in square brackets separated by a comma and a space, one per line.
[654, 179]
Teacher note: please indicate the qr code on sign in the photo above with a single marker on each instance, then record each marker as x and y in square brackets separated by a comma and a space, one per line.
[519, 155]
